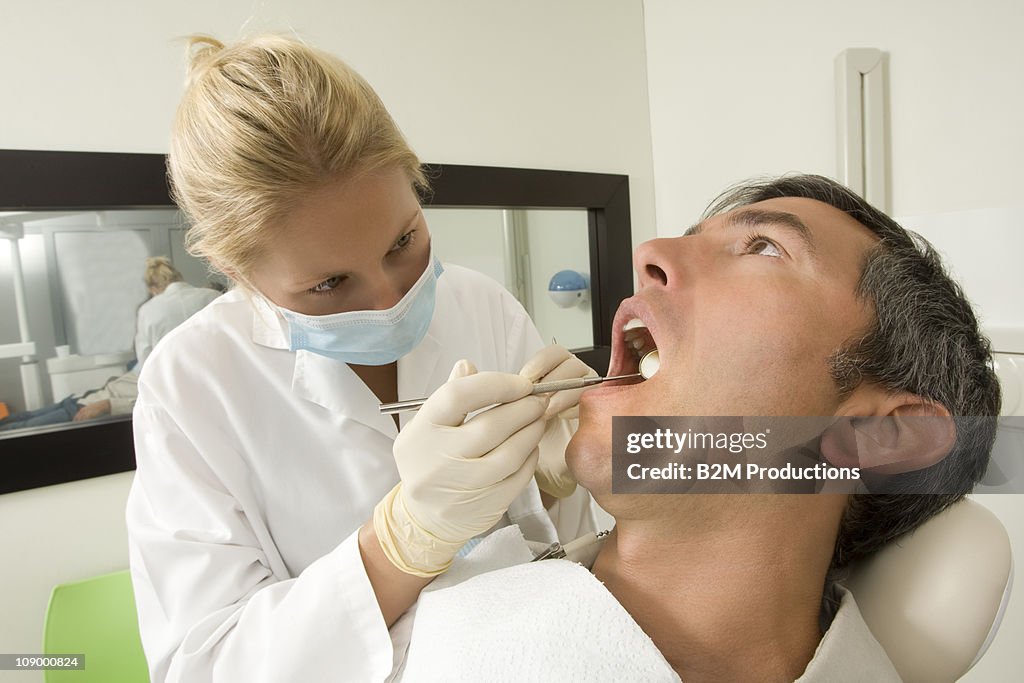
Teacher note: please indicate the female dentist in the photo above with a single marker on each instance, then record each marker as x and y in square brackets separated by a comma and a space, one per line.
[278, 524]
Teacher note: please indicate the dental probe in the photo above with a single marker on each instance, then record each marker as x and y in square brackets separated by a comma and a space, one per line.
[539, 388]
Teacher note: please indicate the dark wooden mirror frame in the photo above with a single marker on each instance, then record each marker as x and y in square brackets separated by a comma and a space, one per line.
[52, 181]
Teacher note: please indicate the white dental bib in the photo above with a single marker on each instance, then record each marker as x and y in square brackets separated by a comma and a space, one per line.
[495, 616]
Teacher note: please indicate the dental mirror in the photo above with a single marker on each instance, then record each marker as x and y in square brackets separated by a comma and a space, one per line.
[650, 363]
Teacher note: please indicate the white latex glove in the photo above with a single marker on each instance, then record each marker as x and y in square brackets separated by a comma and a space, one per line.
[459, 476]
[553, 363]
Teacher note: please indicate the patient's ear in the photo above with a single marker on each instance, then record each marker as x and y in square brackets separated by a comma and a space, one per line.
[885, 433]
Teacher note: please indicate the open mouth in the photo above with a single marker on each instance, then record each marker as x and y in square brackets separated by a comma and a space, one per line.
[634, 349]
[641, 344]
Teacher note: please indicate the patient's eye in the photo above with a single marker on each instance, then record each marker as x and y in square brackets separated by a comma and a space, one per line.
[761, 245]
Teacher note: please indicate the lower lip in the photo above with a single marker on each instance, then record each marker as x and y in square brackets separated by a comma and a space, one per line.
[611, 387]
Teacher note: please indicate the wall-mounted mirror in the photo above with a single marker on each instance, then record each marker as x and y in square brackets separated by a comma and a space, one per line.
[526, 250]
[76, 229]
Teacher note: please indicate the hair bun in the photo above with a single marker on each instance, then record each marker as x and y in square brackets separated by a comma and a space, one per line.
[200, 51]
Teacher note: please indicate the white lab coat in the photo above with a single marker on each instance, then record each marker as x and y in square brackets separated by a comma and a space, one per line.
[257, 466]
[164, 312]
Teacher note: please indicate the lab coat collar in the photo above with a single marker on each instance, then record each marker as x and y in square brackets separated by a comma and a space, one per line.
[421, 370]
[269, 327]
[335, 386]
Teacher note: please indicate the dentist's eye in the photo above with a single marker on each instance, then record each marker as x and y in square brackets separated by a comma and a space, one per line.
[327, 286]
[762, 246]
[404, 242]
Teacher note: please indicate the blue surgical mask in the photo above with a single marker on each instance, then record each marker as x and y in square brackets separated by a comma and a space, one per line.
[370, 337]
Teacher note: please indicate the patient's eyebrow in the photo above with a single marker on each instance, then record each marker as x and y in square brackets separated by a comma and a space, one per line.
[757, 217]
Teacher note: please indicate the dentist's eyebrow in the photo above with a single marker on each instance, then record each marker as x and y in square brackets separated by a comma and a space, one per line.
[306, 283]
[753, 218]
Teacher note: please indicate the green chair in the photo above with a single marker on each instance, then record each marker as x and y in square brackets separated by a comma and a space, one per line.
[96, 617]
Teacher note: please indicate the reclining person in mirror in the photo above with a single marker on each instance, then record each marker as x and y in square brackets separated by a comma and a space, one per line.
[116, 397]
[172, 302]
[794, 297]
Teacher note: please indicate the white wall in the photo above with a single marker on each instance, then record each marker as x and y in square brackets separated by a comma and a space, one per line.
[529, 84]
[741, 88]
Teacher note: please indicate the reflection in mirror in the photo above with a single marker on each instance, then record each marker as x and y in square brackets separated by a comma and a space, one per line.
[523, 249]
[71, 284]
[40, 307]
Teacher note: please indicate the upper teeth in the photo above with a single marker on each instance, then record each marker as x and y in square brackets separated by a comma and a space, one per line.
[637, 336]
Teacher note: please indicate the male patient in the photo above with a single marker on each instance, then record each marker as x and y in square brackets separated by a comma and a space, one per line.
[793, 297]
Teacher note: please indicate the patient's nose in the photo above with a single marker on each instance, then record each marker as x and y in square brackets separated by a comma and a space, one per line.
[658, 263]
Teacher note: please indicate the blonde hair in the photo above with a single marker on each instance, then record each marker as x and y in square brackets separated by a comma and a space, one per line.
[160, 273]
[262, 124]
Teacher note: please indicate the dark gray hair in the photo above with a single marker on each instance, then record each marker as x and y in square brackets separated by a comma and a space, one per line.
[924, 340]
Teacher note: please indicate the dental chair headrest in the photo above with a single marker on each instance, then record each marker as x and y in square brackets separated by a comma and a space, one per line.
[934, 599]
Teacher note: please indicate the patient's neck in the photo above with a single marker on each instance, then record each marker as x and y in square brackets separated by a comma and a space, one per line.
[731, 590]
